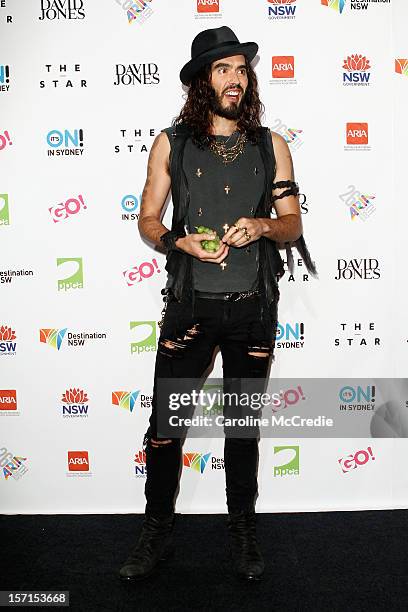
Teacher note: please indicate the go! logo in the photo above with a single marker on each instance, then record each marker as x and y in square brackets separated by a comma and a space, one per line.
[66, 209]
[352, 461]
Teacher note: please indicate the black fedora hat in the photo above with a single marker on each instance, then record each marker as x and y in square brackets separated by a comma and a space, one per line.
[210, 45]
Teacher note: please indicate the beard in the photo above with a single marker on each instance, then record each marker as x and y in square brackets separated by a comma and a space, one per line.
[232, 111]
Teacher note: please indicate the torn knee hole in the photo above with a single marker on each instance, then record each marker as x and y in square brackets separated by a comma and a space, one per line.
[259, 351]
[172, 347]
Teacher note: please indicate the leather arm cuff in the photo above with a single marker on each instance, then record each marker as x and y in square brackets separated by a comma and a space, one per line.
[168, 239]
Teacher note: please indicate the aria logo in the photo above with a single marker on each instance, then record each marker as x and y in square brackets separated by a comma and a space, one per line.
[357, 137]
[78, 463]
[74, 403]
[8, 401]
[134, 141]
[291, 459]
[75, 278]
[12, 465]
[147, 331]
[196, 461]
[357, 334]
[4, 77]
[401, 66]
[360, 205]
[283, 69]
[7, 336]
[65, 142]
[337, 5]
[356, 70]
[62, 9]
[209, 9]
[290, 335]
[58, 75]
[140, 467]
[363, 269]
[357, 398]
[129, 205]
[282, 9]
[4, 209]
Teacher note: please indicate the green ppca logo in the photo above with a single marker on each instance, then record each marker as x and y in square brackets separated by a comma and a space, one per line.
[148, 333]
[291, 468]
[75, 280]
[4, 209]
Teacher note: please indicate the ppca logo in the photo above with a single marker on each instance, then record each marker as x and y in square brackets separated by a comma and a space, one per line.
[75, 271]
[146, 331]
[290, 456]
[78, 461]
[4, 209]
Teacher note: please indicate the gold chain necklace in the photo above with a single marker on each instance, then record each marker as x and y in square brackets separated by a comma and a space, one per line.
[230, 154]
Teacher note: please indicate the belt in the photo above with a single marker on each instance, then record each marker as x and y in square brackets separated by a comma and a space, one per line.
[232, 296]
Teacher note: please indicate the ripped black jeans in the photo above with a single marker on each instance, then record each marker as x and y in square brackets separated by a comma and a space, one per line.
[185, 350]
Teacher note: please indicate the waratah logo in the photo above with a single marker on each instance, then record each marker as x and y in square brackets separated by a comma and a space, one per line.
[196, 461]
[53, 337]
[6, 333]
[74, 396]
[356, 62]
[125, 399]
[140, 457]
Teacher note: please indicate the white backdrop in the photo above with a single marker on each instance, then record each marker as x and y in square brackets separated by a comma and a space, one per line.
[69, 441]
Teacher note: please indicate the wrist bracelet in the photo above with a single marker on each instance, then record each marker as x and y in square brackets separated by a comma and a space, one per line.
[169, 239]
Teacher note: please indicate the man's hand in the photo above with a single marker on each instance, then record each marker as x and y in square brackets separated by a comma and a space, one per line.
[191, 244]
[236, 237]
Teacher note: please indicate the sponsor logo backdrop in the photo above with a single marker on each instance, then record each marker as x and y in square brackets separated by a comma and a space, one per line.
[83, 92]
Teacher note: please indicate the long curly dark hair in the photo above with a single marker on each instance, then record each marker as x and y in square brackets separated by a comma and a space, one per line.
[196, 112]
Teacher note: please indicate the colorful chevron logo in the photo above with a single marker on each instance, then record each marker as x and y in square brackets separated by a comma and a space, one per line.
[337, 5]
[401, 66]
[53, 337]
[196, 461]
[125, 399]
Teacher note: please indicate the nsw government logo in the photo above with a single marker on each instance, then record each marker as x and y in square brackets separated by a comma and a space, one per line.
[356, 70]
[290, 456]
[140, 467]
[146, 331]
[75, 403]
[282, 9]
[75, 271]
[78, 463]
[7, 345]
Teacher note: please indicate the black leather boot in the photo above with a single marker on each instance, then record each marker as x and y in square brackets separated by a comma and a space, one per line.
[246, 554]
[153, 546]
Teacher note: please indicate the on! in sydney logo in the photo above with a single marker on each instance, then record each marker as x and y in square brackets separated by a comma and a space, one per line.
[12, 465]
[129, 205]
[4, 77]
[290, 456]
[65, 142]
[146, 331]
[4, 209]
[290, 335]
[357, 398]
[8, 345]
[282, 9]
[360, 206]
[75, 403]
[356, 70]
[75, 278]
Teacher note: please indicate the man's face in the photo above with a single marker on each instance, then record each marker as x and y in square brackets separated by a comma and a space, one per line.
[229, 79]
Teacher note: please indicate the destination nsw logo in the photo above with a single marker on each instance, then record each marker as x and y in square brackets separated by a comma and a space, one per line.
[196, 461]
[74, 403]
[282, 9]
[55, 337]
[7, 344]
[337, 5]
[356, 69]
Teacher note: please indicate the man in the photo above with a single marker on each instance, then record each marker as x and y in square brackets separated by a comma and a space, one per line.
[224, 171]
